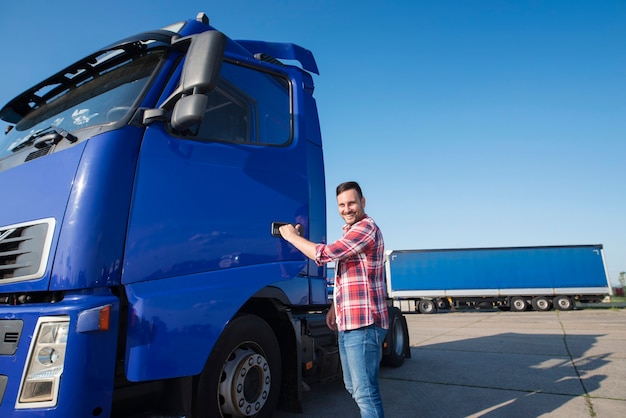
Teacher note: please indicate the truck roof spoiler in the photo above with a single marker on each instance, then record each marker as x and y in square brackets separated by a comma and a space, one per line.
[283, 50]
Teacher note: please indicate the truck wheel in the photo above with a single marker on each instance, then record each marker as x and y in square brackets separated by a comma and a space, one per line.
[563, 303]
[242, 375]
[443, 303]
[518, 304]
[427, 306]
[541, 304]
[397, 339]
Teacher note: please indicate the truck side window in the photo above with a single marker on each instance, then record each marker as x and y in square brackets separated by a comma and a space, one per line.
[226, 117]
[247, 106]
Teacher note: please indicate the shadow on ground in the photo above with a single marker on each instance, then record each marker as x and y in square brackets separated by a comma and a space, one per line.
[503, 375]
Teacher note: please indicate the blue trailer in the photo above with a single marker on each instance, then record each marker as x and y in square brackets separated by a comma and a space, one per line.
[511, 278]
[139, 275]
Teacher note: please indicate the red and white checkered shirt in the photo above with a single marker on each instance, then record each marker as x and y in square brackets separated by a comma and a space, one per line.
[359, 275]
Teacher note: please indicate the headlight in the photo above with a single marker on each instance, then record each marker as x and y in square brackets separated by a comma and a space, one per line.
[40, 383]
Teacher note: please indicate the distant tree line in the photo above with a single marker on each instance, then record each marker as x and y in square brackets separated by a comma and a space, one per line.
[622, 282]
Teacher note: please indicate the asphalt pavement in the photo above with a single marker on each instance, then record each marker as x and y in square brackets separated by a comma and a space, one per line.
[499, 364]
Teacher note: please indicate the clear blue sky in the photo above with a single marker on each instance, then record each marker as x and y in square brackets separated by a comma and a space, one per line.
[468, 123]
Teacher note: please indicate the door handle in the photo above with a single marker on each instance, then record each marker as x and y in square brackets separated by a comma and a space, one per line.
[275, 228]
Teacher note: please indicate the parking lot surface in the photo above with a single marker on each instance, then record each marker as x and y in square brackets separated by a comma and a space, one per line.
[499, 364]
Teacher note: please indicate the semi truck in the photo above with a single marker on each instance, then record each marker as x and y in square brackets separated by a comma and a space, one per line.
[509, 278]
[139, 270]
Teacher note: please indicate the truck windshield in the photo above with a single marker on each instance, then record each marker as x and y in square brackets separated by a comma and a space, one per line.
[100, 90]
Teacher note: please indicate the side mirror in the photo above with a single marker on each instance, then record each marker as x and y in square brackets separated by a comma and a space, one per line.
[200, 74]
[188, 111]
[203, 62]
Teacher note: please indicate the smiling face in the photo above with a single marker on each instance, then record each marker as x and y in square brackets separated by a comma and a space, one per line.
[351, 207]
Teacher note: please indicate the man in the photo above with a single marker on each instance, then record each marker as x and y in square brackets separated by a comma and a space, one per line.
[359, 309]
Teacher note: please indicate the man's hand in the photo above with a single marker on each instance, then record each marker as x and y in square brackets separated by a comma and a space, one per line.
[288, 231]
[291, 234]
[331, 320]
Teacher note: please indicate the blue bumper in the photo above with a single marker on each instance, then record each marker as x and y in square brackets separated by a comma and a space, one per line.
[86, 385]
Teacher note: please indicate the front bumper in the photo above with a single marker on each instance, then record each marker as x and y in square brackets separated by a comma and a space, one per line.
[85, 387]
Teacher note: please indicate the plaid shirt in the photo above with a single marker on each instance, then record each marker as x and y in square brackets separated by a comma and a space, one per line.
[359, 275]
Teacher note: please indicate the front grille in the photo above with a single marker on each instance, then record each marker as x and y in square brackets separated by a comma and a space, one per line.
[24, 250]
[10, 330]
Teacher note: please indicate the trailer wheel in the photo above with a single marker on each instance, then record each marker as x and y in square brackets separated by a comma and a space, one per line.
[541, 304]
[396, 341]
[518, 304]
[485, 305]
[563, 303]
[427, 306]
[241, 378]
[443, 303]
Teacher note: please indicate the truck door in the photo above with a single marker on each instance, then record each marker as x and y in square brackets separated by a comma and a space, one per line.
[204, 200]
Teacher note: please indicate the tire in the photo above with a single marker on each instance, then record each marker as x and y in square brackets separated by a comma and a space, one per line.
[397, 339]
[485, 305]
[518, 304]
[242, 376]
[427, 306]
[443, 303]
[563, 303]
[541, 304]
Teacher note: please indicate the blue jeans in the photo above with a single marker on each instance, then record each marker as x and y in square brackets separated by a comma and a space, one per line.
[360, 352]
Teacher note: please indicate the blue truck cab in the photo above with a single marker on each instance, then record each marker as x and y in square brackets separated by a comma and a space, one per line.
[140, 185]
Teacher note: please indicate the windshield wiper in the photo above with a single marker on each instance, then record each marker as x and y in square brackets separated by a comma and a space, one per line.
[45, 137]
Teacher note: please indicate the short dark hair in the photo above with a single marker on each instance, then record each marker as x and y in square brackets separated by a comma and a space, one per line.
[350, 185]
